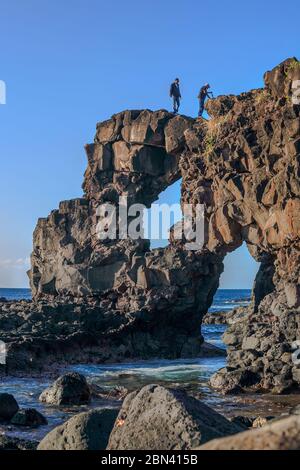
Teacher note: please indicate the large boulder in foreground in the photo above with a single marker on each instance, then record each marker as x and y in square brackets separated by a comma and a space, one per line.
[69, 389]
[85, 431]
[279, 435]
[8, 406]
[156, 418]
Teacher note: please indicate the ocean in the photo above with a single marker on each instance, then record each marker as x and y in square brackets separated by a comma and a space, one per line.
[15, 294]
[225, 299]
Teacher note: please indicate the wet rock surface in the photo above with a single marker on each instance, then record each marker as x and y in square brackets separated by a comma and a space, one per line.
[69, 389]
[28, 417]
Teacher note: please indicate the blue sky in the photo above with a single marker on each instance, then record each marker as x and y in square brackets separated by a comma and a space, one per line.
[70, 63]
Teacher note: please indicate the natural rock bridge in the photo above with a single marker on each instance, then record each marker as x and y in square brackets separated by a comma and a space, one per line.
[113, 300]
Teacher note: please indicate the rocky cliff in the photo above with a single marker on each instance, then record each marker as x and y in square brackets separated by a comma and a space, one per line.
[243, 165]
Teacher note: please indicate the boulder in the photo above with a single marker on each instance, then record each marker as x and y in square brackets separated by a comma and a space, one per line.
[215, 318]
[8, 406]
[115, 393]
[295, 410]
[280, 435]
[233, 381]
[261, 421]
[243, 421]
[69, 389]
[157, 418]
[29, 417]
[84, 431]
[227, 317]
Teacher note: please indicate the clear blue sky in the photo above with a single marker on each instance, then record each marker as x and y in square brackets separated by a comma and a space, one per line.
[70, 63]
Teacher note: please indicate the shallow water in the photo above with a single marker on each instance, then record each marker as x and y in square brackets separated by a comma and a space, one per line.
[188, 374]
[213, 334]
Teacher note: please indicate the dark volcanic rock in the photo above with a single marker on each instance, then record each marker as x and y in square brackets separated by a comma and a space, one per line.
[228, 381]
[226, 317]
[243, 421]
[251, 421]
[215, 318]
[107, 300]
[8, 406]
[210, 350]
[13, 443]
[85, 431]
[69, 389]
[28, 417]
[283, 434]
[116, 393]
[156, 418]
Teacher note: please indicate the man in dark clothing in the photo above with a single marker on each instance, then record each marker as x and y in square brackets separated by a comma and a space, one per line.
[203, 94]
[175, 94]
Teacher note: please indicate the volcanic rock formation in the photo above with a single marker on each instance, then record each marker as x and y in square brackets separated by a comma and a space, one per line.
[126, 300]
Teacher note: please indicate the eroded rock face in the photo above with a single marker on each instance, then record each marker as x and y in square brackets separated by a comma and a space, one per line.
[243, 166]
[140, 298]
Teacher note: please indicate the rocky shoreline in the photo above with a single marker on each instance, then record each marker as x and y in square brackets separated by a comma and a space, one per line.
[43, 336]
[102, 301]
[178, 421]
[73, 397]
[110, 300]
[226, 317]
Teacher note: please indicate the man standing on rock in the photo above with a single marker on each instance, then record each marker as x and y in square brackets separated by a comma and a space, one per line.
[175, 94]
[203, 94]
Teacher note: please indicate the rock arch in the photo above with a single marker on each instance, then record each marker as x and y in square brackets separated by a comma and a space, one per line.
[243, 165]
